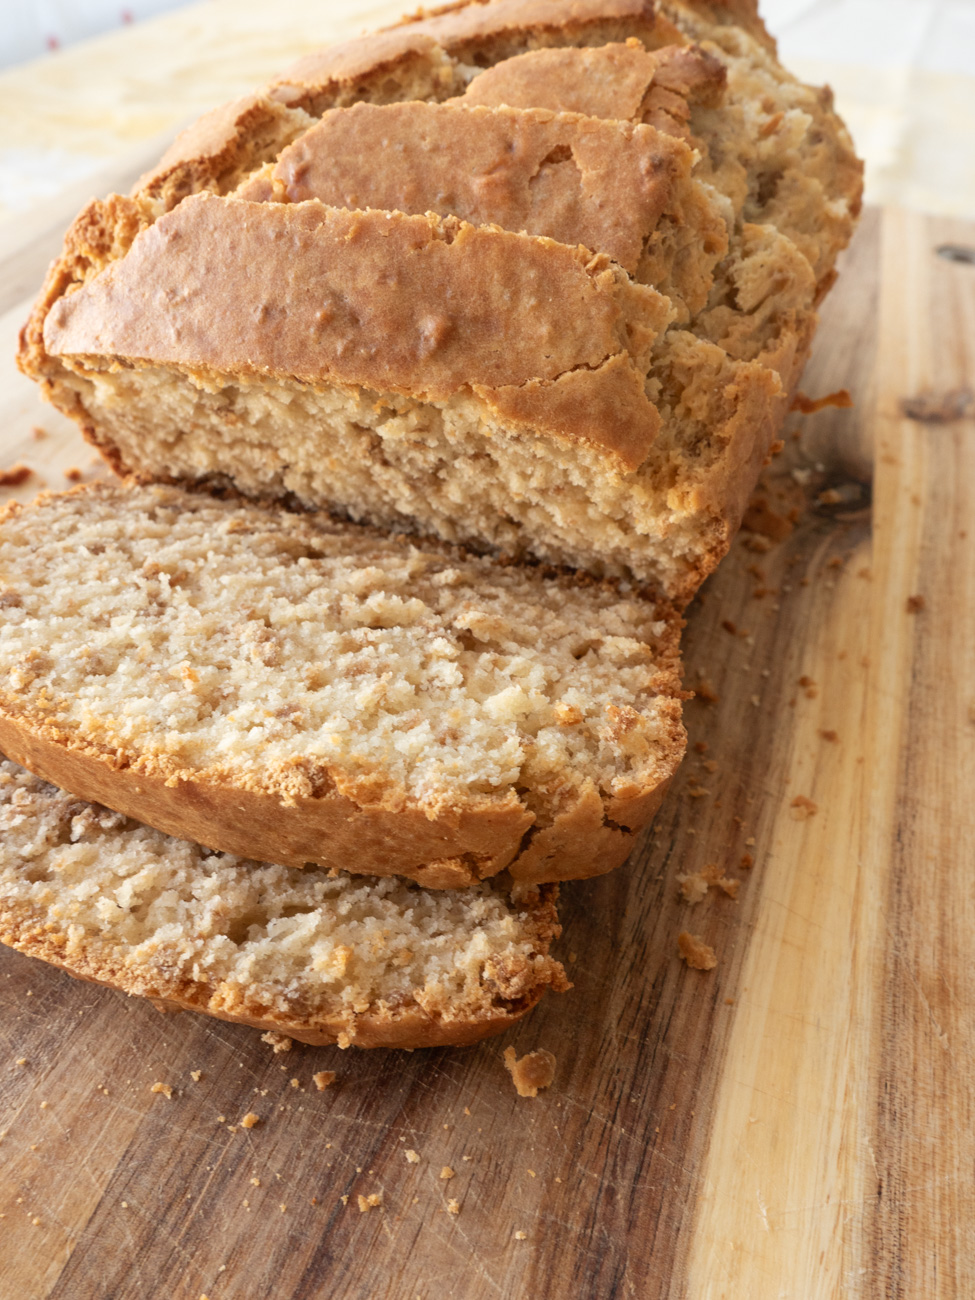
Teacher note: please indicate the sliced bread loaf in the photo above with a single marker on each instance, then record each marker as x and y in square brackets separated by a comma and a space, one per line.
[321, 956]
[632, 459]
[293, 689]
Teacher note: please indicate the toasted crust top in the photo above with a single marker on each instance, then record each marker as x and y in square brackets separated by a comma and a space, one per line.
[619, 80]
[576, 179]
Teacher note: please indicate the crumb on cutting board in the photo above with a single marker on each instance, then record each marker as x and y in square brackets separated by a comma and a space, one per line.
[695, 884]
[250, 1120]
[530, 1072]
[323, 1079]
[369, 1202]
[164, 1088]
[698, 954]
[277, 1042]
[15, 475]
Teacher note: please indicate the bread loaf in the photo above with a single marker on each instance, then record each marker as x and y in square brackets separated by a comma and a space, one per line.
[321, 956]
[584, 356]
[297, 690]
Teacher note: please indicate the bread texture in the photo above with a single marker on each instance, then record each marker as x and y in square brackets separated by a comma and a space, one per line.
[321, 956]
[577, 348]
[299, 690]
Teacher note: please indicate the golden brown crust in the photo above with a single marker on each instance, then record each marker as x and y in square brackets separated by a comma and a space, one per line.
[578, 180]
[31, 931]
[316, 293]
[621, 81]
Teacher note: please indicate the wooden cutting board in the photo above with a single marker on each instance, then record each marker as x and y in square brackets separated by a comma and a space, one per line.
[796, 1123]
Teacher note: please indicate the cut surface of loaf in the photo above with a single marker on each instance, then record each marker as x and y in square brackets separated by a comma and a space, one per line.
[732, 189]
[295, 689]
[321, 956]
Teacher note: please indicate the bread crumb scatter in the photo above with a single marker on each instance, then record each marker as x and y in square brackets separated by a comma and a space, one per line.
[164, 1088]
[16, 475]
[369, 1202]
[412, 1156]
[453, 1207]
[530, 1072]
[277, 1042]
[915, 604]
[698, 954]
[322, 1079]
[250, 1120]
[446, 1172]
[296, 1083]
[521, 1236]
[21, 1060]
[196, 1075]
[803, 808]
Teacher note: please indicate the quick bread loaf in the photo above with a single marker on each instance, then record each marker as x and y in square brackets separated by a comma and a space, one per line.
[596, 385]
[321, 956]
[300, 690]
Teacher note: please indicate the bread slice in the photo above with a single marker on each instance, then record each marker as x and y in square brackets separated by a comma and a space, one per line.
[157, 328]
[321, 956]
[298, 690]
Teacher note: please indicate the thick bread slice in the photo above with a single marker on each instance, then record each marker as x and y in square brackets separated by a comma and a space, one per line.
[622, 190]
[321, 956]
[297, 690]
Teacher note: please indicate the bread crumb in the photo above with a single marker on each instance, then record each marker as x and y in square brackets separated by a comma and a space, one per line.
[803, 808]
[196, 1075]
[250, 1120]
[344, 1200]
[277, 1042]
[369, 1202]
[164, 1088]
[695, 885]
[446, 1172]
[698, 954]
[255, 1182]
[532, 1174]
[322, 1079]
[16, 475]
[21, 1060]
[412, 1156]
[344, 1041]
[453, 1207]
[915, 604]
[521, 1236]
[809, 405]
[296, 1083]
[532, 1071]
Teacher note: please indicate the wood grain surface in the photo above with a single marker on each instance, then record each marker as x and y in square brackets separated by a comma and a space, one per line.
[795, 1123]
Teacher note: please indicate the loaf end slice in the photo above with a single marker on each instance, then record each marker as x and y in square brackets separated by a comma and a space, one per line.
[321, 956]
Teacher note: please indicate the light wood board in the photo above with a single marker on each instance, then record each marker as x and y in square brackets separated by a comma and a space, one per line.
[797, 1123]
